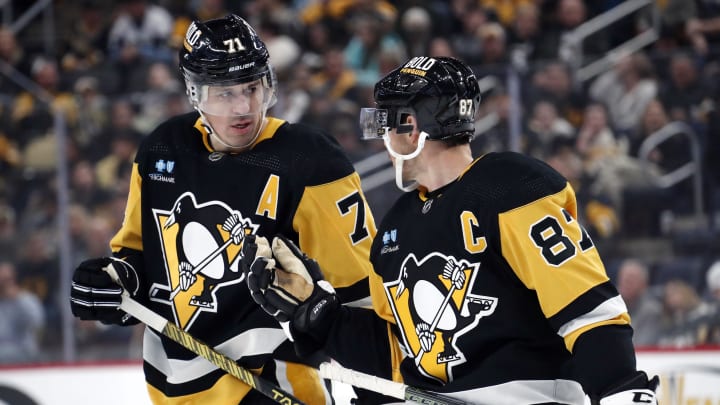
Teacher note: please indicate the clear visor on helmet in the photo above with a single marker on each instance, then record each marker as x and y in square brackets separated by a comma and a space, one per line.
[374, 123]
[234, 99]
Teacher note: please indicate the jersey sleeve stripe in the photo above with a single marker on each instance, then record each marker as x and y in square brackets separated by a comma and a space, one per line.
[609, 309]
[250, 343]
[583, 304]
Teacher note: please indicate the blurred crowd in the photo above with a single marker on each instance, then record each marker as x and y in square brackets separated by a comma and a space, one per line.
[111, 75]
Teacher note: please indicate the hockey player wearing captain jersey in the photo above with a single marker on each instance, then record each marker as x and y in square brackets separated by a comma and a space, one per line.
[201, 183]
[485, 286]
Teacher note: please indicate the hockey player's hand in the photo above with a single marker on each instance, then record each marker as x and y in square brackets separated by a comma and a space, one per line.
[291, 287]
[260, 274]
[635, 390]
[95, 296]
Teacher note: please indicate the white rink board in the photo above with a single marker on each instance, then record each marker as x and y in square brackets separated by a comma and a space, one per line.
[689, 377]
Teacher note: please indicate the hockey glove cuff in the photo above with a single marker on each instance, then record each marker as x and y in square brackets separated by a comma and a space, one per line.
[95, 296]
[634, 390]
[319, 307]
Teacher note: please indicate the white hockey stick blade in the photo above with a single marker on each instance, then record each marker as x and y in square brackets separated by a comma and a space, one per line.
[336, 372]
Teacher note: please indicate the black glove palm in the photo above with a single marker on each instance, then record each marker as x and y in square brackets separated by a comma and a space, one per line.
[95, 296]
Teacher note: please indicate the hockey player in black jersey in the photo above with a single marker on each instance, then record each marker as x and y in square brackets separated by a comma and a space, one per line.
[485, 286]
[201, 183]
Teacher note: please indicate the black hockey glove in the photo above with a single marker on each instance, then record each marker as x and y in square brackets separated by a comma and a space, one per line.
[291, 288]
[95, 296]
[634, 390]
[259, 268]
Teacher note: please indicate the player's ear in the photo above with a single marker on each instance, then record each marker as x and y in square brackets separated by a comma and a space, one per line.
[410, 122]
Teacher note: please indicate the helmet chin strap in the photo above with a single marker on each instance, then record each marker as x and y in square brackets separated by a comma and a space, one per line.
[401, 158]
[216, 137]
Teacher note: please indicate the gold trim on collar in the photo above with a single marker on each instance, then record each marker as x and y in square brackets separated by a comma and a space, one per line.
[270, 128]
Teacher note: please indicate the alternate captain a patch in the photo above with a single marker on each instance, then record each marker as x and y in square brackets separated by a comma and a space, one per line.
[201, 248]
[433, 307]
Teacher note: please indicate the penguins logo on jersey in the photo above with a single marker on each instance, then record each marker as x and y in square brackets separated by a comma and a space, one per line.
[433, 307]
[201, 245]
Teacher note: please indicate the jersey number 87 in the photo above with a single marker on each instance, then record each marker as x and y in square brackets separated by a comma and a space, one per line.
[555, 245]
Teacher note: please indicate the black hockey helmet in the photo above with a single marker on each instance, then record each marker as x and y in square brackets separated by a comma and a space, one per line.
[441, 92]
[222, 52]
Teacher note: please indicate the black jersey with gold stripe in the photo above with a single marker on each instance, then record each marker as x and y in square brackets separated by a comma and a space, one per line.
[188, 211]
[489, 282]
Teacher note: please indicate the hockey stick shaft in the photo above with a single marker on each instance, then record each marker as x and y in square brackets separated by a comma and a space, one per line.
[336, 372]
[160, 324]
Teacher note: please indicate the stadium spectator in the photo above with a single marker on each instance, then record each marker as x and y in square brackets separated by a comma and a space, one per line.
[505, 11]
[712, 283]
[84, 43]
[703, 29]
[293, 99]
[21, 319]
[336, 14]
[686, 315]
[9, 159]
[553, 81]
[464, 38]
[15, 56]
[440, 46]
[115, 167]
[336, 79]
[567, 16]
[31, 117]
[606, 158]
[38, 272]
[84, 186]
[370, 38]
[711, 161]
[595, 138]
[627, 89]
[684, 95]
[139, 36]
[8, 230]
[123, 117]
[633, 282]
[544, 125]
[524, 32]
[416, 29]
[491, 132]
[161, 84]
[94, 106]
[494, 57]
[668, 155]
[143, 28]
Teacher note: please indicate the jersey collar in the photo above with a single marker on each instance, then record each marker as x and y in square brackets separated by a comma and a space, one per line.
[272, 125]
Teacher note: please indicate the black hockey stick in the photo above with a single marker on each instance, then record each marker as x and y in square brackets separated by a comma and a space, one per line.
[160, 324]
[336, 372]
